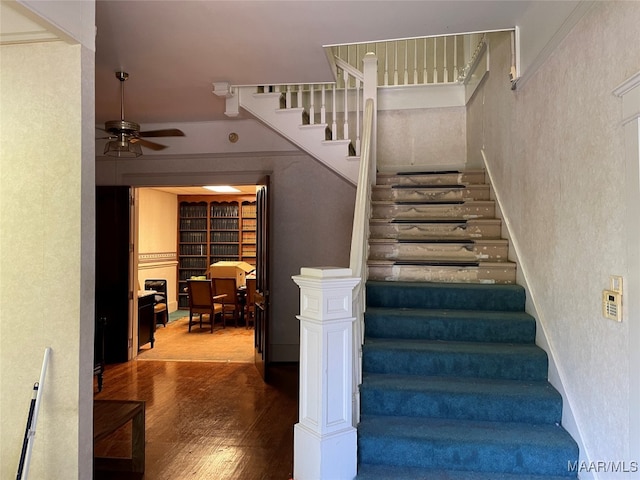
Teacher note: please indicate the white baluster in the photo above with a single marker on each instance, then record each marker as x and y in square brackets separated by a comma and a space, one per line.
[455, 59]
[312, 105]
[299, 96]
[445, 77]
[386, 64]
[345, 124]
[406, 62]
[349, 56]
[415, 61]
[358, 115]
[334, 125]
[395, 58]
[435, 56]
[323, 108]
[425, 78]
[288, 96]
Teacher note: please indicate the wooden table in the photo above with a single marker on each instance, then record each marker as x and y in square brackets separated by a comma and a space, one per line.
[109, 416]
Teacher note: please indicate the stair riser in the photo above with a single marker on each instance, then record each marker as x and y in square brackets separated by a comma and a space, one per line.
[421, 211]
[450, 405]
[472, 229]
[517, 458]
[450, 329]
[505, 274]
[403, 362]
[395, 251]
[480, 192]
[462, 178]
[434, 296]
[386, 472]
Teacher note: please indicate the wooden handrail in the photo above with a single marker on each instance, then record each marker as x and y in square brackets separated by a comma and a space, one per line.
[360, 246]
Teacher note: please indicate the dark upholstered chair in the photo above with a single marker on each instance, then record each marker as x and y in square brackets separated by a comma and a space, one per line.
[231, 304]
[202, 301]
[160, 306]
[250, 302]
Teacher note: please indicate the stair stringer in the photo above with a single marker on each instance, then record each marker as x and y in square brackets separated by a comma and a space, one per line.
[556, 373]
[310, 138]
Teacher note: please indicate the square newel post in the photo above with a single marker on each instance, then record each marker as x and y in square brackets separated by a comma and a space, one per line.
[324, 444]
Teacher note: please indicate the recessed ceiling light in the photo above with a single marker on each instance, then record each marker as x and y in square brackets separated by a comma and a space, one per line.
[222, 189]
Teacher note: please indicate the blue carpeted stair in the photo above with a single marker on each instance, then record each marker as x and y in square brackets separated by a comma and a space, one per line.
[454, 387]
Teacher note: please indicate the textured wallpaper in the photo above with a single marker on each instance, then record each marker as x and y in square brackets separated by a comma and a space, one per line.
[555, 150]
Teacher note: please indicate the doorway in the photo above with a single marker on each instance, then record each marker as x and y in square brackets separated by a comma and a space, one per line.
[152, 215]
[181, 232]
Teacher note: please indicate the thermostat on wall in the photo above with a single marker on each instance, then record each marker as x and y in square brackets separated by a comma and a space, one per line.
[612, 300]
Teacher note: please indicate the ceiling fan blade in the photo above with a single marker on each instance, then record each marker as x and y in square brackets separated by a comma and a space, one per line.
[147, 143]
[169, 132]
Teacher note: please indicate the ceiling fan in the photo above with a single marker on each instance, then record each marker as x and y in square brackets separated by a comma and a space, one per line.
[125, 136]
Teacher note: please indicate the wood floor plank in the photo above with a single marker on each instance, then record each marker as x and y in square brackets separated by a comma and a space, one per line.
[206, 420]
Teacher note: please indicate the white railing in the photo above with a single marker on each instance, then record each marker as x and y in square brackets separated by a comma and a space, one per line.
[409, 62]
[326, 104]
[336, 106]
[415, 61]
[360, 247]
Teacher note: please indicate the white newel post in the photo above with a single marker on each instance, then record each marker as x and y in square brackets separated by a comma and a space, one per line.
[370, 90]
[324, 446]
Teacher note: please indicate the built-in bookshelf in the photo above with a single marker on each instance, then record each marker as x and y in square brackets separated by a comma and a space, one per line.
[213, 229]
[248, 232]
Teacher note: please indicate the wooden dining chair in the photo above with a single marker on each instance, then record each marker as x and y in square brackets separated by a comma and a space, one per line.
[203, 301]
[231, 304]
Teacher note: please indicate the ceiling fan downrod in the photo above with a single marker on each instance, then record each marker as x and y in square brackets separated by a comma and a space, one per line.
[122, 76]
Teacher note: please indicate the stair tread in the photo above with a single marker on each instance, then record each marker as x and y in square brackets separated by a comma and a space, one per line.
[432, 172]
[439, 295]
[461, 287]
[435, 202]
[484, 220]
[450, 314]
[461, 385]
[450, 324]
[386, 472]
[452, 347]
[421, 220]
[443, 262]
[466, 431]
[466, 241]
[461, 398]
[428, 186]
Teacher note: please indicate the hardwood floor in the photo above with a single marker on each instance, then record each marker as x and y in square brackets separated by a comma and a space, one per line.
[206, 420]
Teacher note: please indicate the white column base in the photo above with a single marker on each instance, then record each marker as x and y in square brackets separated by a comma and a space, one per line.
[324, 457]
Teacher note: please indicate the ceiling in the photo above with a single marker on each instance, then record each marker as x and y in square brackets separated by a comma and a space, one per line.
[243, 190]
[174, 50]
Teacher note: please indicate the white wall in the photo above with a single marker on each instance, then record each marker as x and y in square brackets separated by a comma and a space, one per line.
[157, 239]
[46, 255]
[419, 139]
[555, 151]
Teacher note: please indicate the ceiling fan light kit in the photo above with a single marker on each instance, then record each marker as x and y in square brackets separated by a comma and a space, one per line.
[125, 136]
[122, 149]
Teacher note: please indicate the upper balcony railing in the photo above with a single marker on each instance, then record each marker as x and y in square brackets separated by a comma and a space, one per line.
[415, 61]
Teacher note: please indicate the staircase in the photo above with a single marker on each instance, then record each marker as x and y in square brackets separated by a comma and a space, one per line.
[436, 227]
[454, 386]
[291, 123]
